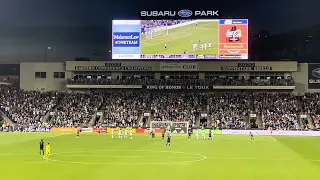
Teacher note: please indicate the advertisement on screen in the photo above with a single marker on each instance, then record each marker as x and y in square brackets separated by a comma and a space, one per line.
[180, 39]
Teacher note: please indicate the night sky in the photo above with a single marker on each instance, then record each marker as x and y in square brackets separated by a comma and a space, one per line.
[20, 18]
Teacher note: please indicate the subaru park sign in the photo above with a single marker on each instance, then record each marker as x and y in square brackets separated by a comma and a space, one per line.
[184, 13]
[314, 76]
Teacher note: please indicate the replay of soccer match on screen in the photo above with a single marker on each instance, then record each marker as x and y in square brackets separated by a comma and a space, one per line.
[180, 39]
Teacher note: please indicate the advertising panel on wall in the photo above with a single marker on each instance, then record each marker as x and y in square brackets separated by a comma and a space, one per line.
[147, 130]
[180, 39]
[67, 130]
[112, 67]
[116, 130]
[276, 133]
[177, 87]
[314, 76]
[200, 66]
[178, 66]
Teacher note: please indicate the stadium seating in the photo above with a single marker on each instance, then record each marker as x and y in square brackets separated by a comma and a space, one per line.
[229, 110]
[196, 82]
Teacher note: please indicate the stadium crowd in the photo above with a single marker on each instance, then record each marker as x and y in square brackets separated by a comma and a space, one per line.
[196, 82]
[26, 108]
[126, 108]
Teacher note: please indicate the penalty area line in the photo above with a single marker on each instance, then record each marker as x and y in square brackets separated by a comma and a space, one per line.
[273, 138]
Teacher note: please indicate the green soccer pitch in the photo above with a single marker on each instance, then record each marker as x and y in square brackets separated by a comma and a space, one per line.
[96, 157]
[182, 38]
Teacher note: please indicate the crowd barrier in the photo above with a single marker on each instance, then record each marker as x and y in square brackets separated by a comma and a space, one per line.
[275, 133]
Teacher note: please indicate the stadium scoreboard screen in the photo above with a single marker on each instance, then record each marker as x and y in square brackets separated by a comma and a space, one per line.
[180, 39]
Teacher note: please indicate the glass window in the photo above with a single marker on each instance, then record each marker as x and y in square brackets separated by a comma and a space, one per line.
[43, 74]
[59, 75]
[37, 74]
[40, 75]
[56, 75]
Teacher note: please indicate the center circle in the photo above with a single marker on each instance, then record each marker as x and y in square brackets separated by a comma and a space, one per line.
[126, 157]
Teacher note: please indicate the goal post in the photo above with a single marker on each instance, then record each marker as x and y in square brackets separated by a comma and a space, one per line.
[158, 31]
[174, 127]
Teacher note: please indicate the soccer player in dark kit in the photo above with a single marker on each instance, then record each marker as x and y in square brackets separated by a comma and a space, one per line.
[210, 135]
[41, 147]
[162, 135]
[153, 135]
[251, 136]
[189, 134]
[168, 140]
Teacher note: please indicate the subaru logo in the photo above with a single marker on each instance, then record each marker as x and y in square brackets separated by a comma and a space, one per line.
[185, 13]
[316, 73]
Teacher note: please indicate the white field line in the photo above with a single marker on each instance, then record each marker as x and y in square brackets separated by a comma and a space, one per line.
[273, 138]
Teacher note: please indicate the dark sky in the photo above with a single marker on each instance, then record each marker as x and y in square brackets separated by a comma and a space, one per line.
[276, 15]
[82, 28]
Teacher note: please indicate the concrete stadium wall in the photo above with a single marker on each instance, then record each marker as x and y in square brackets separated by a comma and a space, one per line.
[28, 81]
[301, 78]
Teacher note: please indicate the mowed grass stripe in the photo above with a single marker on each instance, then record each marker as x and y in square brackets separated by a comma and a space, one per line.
[217, 166]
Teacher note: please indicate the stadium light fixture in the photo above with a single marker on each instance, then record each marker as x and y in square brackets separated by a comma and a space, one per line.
[45, 53]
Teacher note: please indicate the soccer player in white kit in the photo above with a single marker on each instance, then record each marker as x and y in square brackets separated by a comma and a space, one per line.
[120, 133]
[195, 46]
[131, 133]
[169, 132]
[202, 47]
[126, 133]
[205, 46]
[197, 134]
[112, 132]
[209, 45]
[203, 135]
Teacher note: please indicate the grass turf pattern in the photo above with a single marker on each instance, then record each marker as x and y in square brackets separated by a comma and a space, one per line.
[226, 157]
[182, 38]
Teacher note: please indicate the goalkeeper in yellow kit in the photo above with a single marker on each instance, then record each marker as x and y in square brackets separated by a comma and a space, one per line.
[48, 151]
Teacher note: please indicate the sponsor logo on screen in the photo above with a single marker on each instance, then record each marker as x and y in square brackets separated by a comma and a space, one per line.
[233, 34]
[126, 39]
[314, 76]
[184, 13]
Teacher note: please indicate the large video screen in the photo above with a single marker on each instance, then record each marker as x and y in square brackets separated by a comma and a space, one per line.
[180, 39]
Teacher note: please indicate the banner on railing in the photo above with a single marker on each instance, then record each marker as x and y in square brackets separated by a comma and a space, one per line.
[176, 87]
[276, 133]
